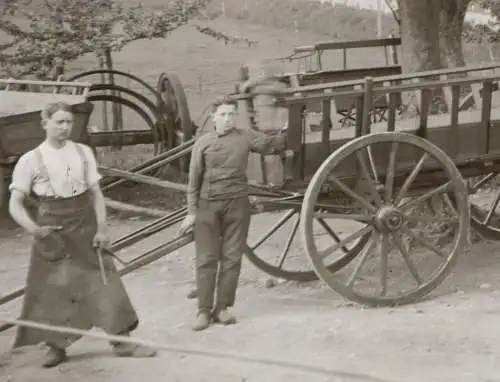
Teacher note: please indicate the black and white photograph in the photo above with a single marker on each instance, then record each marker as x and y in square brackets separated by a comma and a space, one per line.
[249, 190]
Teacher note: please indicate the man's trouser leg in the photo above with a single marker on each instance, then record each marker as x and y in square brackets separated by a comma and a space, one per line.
[207, 235]
[235, 224]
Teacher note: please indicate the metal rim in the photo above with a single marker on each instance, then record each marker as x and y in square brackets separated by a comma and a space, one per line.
[279, 269]
[458, 189]
[157, 128]
[170, 88]
[117, 72]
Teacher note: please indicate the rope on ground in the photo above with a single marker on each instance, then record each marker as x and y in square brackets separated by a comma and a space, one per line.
[194, 351]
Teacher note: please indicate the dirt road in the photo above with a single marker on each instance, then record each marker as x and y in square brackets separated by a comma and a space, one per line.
[452, 336]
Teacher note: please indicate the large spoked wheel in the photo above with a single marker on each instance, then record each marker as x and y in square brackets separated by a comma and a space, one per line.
[275, 249]
[412, 247]
[484, 198]
[175, 106]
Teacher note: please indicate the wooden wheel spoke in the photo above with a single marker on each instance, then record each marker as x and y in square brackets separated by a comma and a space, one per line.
[492, 207]
[408, 181]
[369, 180]
[391, 173]
[424, 242]
[407, 258]
[342, 243]
[329, 230]
[274, 228]
[357, 217]
[439, 190]
[289, 242]
[483, 181]
[372, 164]
[366, 252]
[450, 205]
[384, 257]
[353, 195]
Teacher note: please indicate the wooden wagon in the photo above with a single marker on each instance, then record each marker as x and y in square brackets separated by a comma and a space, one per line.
[393, 200]
[403, 190]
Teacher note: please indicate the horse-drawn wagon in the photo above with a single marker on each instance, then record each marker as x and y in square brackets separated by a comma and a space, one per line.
[382, 209]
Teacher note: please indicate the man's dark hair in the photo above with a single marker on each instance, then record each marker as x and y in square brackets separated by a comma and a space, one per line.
[224, 101]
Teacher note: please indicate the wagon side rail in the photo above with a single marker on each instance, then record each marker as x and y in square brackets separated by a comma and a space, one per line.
[328, 87]
[320, 47]
[467, 137]
[35, 86]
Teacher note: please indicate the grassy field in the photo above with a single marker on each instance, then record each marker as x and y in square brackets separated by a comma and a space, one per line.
[208, 68]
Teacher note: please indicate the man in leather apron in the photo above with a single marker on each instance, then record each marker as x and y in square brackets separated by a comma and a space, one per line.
[64, 283]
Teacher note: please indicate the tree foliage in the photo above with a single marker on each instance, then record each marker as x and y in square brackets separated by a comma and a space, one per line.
[43, 32]
[485, 33]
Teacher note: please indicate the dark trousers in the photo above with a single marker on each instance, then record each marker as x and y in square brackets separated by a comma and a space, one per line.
[220, 232]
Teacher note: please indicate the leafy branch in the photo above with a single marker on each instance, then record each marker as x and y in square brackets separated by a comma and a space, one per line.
[46, 31]
[219, 36]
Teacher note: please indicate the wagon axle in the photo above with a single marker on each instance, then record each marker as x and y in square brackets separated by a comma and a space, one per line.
[389, 219]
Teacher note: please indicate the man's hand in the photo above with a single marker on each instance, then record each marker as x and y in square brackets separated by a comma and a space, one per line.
[41, 232]
[101, 239]
[187, 224]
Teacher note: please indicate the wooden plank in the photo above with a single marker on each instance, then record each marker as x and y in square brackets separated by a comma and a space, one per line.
[121, 138]
[425, 103]
[394, 102]
[367, 106]
[403, 77]
[325, 76]
[14, 102]
[294, 138]
[467, 147]
[326, 124]
[139, 178]
[484, 131]
[454, 122]
[7, 81]
[409, 125]
[371, 43]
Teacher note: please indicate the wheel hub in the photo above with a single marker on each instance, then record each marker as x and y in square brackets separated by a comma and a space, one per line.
[389, 219]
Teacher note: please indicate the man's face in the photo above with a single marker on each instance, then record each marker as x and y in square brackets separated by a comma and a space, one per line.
[59, 125]
[224, 119]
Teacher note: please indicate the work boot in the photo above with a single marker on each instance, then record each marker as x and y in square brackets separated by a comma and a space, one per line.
[224, 317]
[202, 322]
[55, 356]
[122, 349]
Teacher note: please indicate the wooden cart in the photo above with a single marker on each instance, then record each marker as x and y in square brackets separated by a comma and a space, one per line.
[383, 210]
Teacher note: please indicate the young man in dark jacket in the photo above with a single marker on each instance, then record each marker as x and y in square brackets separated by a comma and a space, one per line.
[219, 208]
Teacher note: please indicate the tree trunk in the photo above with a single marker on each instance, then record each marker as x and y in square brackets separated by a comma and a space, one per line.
[420, 35]
[452, 17]
[420, 50]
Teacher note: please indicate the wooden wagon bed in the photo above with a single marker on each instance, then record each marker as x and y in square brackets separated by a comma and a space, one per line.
[468, 145]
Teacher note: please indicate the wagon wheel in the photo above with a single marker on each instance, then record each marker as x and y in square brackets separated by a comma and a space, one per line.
[280, 255]
[175, 106]
[484, 197]
[404, 260]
